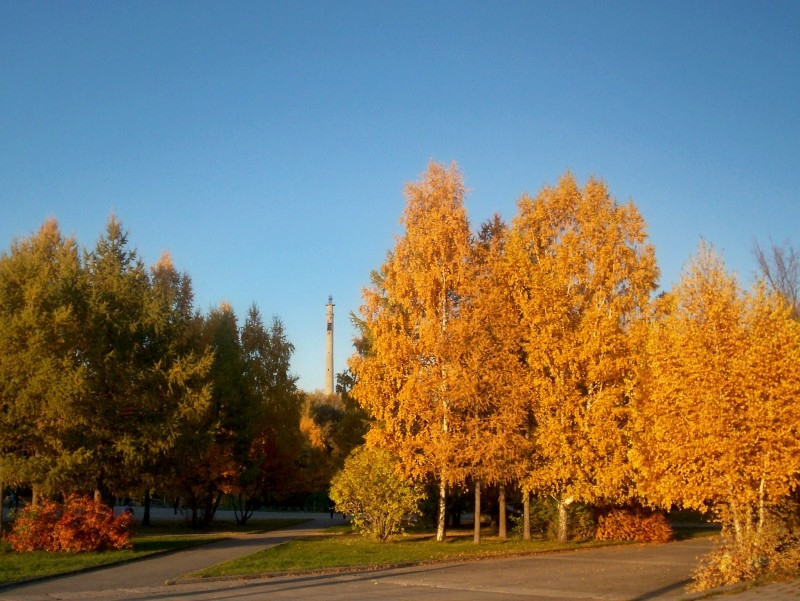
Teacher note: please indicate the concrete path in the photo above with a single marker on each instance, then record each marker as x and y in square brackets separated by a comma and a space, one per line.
[158, 570]
[626, 573]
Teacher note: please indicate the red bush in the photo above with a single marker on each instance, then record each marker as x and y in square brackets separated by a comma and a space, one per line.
[79, 524]
[634, 524]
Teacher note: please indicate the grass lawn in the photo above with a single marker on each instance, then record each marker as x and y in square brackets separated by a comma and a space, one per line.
[337, 548]
[159, 538]
[345, 549]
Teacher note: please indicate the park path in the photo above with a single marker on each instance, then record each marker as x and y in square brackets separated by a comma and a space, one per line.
[624, 573]
[157, 570]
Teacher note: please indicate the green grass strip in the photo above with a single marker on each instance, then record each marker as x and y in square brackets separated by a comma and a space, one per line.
[161, 537]
[343, 550]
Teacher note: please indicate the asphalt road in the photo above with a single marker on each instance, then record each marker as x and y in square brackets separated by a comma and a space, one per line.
[623, 573]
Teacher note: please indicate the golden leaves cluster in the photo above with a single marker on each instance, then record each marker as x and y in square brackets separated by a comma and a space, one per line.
[503, 356]
[534, 353]
[717, 419]
[583, 278]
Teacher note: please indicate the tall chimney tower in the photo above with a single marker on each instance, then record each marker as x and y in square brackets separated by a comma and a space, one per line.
[329, 347]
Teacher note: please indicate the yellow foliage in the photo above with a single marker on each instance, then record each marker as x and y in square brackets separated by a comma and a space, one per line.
[404, 379]
[490, 372]
[629, 524]
[582, 274]
[716, 422]
[312, 431]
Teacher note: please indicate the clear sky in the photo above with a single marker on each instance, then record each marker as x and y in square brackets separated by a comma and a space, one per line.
[265, 144]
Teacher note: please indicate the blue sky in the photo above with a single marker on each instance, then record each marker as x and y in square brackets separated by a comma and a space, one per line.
[265, 145]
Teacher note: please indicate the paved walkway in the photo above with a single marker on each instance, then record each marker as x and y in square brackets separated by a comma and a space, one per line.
[626, 573]
[158, 570]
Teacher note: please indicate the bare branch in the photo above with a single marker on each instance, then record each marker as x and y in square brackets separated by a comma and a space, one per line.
[779, 266]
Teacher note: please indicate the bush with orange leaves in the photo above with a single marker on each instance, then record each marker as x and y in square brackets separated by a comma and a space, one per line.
[79, 524]
[634, 524]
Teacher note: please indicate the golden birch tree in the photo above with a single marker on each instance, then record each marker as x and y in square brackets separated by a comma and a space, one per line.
[582, 273]
[493, 436]
[405, 379]
[716, 423]
[693, 357]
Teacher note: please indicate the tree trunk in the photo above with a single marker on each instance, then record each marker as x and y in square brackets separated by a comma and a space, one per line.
[526, 515]
[441, 523]
[35, 496]
[215, 506]
[738, 528]
[748, 523]
[501, 519]
[563, 516]
[146, 517]
[2, 504]
[761, 496]
[476, 533]
[193, 503]
[244, 507]
[208, 504]
[102, 493]
[195, 507]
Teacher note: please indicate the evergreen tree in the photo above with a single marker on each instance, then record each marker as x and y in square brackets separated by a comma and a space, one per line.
[271, 469]
[41, 372]
[179, 387]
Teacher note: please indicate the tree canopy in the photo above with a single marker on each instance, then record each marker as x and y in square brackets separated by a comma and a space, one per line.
[582, 275]
[405, 380]
[717, 419]
[112, 382]
[41, 374]
[525, 357]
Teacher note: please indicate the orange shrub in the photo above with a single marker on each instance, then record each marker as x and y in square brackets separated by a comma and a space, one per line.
[634, 524]
[79, 524]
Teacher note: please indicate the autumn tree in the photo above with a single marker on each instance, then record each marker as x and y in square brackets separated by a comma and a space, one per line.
[495, 435]
[228, 427]
[40, 371]
[112, 382]
[321, 456]
[179, 386]
[582, 273]
[355, 421]
[271, 469]
[106, 381]
[247, 443]
[405, 381]
[140, 380]
[111, 412]
[332, 425]
[716, 421]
